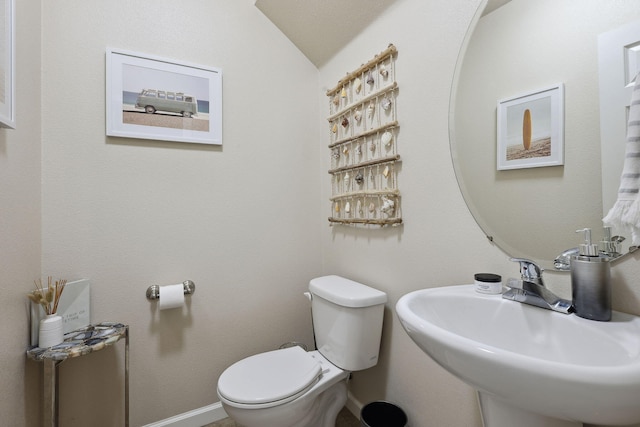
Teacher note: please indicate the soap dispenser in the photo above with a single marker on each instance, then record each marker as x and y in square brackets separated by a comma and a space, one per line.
[591, 281]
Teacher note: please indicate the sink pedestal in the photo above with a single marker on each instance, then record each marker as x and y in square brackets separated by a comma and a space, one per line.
[534, 367]
[496, 413]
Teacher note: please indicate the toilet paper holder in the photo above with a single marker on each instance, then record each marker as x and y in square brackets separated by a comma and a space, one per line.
[153, 291]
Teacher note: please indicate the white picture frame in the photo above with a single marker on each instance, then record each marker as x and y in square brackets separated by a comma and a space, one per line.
[7, 64]
[151, 97]
[530, 129]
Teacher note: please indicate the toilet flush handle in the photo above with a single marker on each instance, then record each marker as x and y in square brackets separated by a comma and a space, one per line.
[308, 295]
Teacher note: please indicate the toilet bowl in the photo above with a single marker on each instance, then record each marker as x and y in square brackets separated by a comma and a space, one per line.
[291, 387]
[284, 388]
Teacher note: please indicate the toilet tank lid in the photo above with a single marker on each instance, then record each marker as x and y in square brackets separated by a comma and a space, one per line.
[345, 292]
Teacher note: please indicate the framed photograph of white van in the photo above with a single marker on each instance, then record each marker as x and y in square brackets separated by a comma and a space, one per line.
[531, 129]
[156, 98]
[7, 64]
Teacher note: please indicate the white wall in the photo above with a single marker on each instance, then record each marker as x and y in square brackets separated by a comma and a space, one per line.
[440, 244]
[20, 225]
[240, 220]
[246, 222]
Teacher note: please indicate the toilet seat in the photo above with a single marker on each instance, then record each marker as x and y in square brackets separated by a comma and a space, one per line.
[269, 379]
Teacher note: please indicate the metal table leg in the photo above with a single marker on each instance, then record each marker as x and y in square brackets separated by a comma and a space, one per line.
[52, 360]
[50, 409]
[126, 378]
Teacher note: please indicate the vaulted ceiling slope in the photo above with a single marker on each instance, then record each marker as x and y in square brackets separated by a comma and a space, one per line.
[320, 28]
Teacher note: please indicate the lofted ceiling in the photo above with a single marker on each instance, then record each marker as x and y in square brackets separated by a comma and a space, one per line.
[320, 28]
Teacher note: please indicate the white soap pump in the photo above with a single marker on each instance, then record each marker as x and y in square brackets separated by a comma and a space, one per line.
[591, 281]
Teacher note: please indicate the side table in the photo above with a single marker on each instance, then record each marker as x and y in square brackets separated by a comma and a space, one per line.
[78, 343]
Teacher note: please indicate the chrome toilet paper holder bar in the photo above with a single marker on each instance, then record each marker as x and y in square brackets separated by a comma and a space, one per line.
[153, 291]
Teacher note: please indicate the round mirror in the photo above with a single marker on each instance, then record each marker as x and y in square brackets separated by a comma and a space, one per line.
[522, 53]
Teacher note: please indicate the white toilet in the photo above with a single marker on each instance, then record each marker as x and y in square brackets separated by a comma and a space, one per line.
[295, 388]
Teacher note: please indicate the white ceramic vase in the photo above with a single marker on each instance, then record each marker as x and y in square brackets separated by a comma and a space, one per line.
[50, 332]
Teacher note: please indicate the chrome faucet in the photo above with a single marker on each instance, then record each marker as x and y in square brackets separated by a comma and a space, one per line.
[530, 289]
[609, 248]
[563, 261]
[529, 270]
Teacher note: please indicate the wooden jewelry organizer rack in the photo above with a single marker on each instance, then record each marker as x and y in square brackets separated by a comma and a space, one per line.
[363, 145]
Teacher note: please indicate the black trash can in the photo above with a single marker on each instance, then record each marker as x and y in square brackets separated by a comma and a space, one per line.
[382, 414]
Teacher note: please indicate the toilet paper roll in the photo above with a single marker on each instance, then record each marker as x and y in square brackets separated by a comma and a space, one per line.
[171, 296]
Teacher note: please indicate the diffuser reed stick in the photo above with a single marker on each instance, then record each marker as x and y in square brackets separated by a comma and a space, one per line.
[48, 297]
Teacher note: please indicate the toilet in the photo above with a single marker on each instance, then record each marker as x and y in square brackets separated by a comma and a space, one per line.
[292, 387]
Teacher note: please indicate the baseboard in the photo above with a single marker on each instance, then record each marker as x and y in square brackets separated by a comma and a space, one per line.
[353, 405]
[195, 418]
[214, 412]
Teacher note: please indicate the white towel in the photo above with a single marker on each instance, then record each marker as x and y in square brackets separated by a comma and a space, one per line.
[625, 213]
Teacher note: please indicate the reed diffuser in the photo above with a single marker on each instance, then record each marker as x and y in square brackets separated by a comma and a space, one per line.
[48, 297]
[50, 332]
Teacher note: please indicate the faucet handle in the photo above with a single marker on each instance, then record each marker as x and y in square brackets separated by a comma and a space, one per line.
[529, 270]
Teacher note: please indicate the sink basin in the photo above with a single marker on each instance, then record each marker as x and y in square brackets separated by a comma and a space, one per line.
[554, 368]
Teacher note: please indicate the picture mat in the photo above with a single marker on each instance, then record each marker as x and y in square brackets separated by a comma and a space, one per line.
[123, 75]
[547, 111]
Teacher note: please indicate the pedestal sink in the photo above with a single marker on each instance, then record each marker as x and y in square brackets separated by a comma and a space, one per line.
[531, 366]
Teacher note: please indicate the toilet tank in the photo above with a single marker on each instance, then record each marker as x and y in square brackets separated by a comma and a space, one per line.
[347, 321]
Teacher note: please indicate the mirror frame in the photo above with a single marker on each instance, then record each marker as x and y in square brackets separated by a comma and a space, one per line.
[505, 247]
